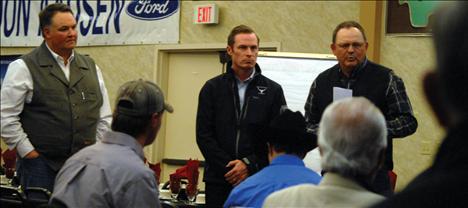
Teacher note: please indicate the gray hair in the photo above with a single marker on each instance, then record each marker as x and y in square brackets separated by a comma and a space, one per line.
[352, 133]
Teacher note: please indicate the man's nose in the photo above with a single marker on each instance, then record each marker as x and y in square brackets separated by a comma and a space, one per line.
[250, 51]
[72, 32]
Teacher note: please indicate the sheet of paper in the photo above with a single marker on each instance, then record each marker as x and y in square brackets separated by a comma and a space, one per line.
[340, 93]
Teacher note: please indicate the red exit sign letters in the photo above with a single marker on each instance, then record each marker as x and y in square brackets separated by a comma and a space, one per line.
[205, 14]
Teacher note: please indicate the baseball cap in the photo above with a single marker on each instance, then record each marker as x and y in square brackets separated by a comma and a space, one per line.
[141, 98]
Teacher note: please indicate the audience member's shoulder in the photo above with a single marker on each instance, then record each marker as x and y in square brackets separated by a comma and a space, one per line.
[442, 189]
[86, 152]
[287, 196]
[111, 156]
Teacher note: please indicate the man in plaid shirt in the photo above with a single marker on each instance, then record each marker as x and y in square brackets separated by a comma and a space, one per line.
[355, 75]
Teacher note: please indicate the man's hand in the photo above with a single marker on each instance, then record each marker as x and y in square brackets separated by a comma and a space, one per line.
[31, 155]
[238, 173]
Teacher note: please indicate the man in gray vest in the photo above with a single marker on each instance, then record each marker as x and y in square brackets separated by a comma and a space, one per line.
[54, 101]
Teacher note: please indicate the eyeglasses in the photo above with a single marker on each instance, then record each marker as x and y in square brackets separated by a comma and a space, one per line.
[355, 45]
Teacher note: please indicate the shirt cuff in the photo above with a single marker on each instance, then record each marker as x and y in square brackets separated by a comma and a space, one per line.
[24, 147]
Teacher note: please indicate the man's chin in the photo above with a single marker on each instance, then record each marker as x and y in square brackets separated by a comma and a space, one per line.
[248, 66]
[351, 64]
[71, 44]
[71, 47]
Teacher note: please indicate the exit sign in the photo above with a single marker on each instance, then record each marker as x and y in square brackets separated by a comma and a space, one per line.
[205, 14]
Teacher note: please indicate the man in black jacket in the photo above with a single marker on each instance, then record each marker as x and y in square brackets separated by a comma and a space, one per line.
[445, 182]
[355, 75]
[228, 106]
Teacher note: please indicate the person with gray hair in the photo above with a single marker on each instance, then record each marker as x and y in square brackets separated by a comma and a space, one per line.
[445, 182]
[357, 125]
[352, 141]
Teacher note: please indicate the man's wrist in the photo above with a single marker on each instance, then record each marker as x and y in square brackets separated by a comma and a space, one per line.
[246, 161]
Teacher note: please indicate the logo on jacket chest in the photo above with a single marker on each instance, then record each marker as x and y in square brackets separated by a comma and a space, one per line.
[262, 90]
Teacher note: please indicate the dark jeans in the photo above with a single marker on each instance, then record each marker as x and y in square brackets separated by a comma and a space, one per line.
[381, 184]
[35, 173]
[216, 194]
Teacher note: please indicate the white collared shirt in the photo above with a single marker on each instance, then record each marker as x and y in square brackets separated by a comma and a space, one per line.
[61, 62]
[242, 87]
[17, 89]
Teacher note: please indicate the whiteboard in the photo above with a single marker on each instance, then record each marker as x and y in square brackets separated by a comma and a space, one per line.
[295, 72]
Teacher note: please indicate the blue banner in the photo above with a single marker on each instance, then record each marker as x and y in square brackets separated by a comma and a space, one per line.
[99, 22]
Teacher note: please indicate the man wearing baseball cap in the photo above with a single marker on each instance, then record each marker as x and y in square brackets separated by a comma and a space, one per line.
[111, 173]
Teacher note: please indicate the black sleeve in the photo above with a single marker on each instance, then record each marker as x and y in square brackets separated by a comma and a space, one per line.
[311, 115]
[206, 132]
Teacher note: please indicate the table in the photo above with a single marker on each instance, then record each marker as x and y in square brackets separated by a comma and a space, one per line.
[165, 198]
[169, 203]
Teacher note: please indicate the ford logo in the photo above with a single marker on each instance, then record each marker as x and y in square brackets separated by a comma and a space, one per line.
[152, 9]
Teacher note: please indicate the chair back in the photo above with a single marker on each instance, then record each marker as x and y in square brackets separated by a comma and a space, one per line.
[168, 204]
[11, 197]
[36, 197]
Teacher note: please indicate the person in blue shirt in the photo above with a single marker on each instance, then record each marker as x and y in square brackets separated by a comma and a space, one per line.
[288, 142]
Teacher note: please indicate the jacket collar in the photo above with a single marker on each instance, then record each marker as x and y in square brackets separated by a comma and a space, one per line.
[58, 57]
[356, 71]
[48, 59]
[230, 72]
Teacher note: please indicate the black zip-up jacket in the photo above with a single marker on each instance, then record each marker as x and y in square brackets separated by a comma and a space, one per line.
[224, 132]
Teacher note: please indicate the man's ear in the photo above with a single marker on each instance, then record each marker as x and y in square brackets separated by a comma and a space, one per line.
[381, 160]
[432, 90]
[156, 119]
[45, 32]
[229, 50]
[379, 163]
[333, 48]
